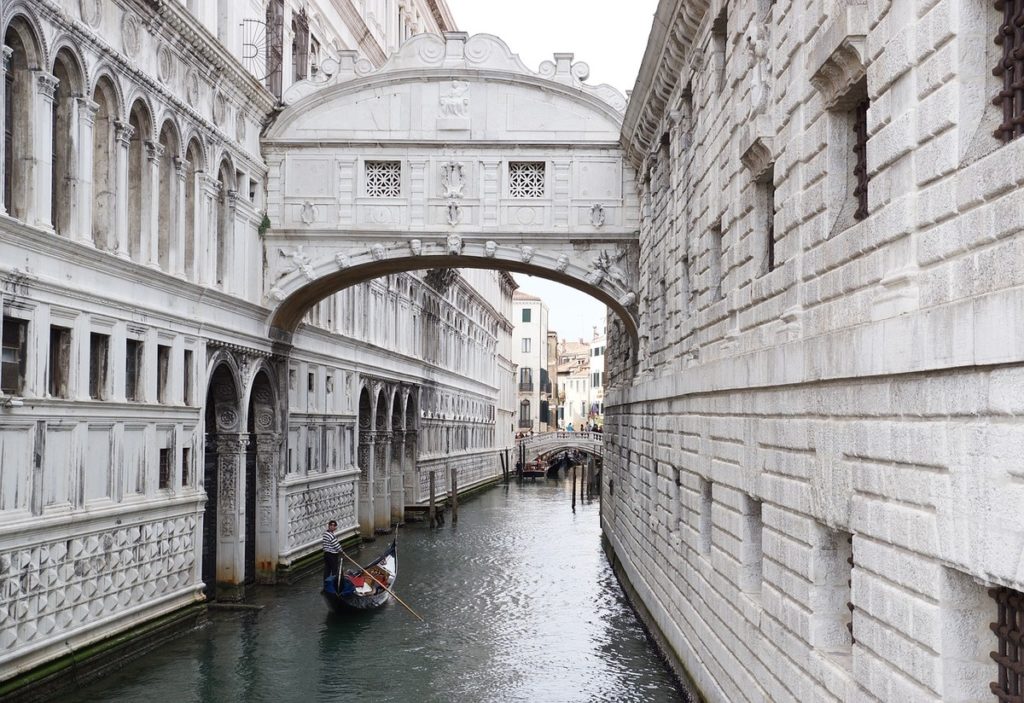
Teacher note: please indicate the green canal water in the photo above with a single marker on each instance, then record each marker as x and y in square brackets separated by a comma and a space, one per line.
[519, 603]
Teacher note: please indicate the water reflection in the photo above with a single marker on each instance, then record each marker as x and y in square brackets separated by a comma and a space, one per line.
[519, 601]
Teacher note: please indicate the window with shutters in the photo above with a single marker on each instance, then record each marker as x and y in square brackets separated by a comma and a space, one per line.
[99, 352]
[300, 46]
[59, 365]
[132, 369]
[13, 356]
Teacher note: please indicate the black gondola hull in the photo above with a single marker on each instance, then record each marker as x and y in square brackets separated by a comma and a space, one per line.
[350, 602]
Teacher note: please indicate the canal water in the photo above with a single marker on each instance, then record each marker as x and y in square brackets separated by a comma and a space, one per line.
[519, 603]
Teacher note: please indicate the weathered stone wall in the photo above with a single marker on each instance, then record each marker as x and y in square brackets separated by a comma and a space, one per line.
[844, 426]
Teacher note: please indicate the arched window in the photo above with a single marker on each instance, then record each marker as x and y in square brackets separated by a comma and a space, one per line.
[524, 414]
[18, 137]
[104, 161]
[193, 168]
[138, 182]
[167, 197]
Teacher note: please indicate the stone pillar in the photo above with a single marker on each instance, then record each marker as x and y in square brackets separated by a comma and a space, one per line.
[381, 495]
[269, 467]
[42, 148]
[397, 481]
[176, 262]
[5, 66]
[231, 448]
[87, 110]
[150, 253]
[123, 133]
[206, 231]
[231, 246]
[365, 460]
[411, 493]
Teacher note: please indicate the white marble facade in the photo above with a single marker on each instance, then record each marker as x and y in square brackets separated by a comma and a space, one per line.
[150, 428]
[827, 405]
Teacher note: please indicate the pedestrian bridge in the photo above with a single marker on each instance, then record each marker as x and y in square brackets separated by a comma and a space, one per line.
[548, 442]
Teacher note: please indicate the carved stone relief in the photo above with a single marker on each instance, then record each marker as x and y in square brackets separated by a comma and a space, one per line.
[131, 34]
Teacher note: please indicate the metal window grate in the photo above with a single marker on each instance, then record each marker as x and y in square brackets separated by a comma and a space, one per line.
[1011, 69]
[860, 153]
[383, 179]
[1009, 656]
[526, 179]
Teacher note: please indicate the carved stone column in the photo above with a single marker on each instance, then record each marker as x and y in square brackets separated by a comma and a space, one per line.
[232, 247]
[381, 494]
[365, 461]
[45, 86]
[176, 259]
[5, 66]
[123, 133]
[206, 231]
[397, 479]
[151, 239]
[268, 469]
[231, 448]
[87, 110]
[412, 491]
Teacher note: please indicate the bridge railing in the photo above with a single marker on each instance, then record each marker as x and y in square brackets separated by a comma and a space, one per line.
[561, 435]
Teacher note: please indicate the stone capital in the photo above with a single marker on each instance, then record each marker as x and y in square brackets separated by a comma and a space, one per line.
[47, 84]
[181, 167]
[231, 443]
[123, 132]
[154, 151]
[87, 109]
[5, 58]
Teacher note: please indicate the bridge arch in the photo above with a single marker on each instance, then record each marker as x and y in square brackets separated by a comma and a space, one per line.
[485, 164]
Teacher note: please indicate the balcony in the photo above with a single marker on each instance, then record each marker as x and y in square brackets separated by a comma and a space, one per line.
[526, 387]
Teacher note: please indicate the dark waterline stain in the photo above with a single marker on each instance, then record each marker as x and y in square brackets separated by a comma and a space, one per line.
[520, 604]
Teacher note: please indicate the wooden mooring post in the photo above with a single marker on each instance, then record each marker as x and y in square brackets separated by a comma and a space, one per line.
[583, 479]
[455, 496]
[432, 511]
[574, 488]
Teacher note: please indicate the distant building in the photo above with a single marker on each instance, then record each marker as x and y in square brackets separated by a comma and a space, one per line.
[530, 353]
[581, 382]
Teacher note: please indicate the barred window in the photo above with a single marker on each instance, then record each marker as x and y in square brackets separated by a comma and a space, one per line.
[860, 154]
[1009, 655]
[384, 179]
[1010, 69]
[526, 179]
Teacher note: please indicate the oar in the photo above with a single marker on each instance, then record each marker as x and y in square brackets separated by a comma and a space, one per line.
[381, 585]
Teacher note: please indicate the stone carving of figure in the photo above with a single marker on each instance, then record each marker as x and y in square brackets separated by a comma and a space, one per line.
[595, 277]
[455, 101]
[342, 260]
[300, 262]
[377, 251]
[453, 179]
[756, 45]
[597, 216]
[454, 243]
[563, 263]
[628, 300]
[416, 246]
[526, 253]
[490, 248]
[607, 264]
[454, 213]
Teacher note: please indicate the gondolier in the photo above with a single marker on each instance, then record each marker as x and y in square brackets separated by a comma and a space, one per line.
[332, 551]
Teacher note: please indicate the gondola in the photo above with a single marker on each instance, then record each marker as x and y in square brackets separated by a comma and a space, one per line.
[357, 590]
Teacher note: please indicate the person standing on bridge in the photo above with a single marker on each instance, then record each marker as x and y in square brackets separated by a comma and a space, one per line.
[332, 550]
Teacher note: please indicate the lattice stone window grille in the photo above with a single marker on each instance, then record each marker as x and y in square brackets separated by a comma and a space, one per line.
[526, 179]
[1009, 655]
[383, 179]
[1010, 69]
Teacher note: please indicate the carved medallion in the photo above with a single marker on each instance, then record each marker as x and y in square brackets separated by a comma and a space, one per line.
[240, 126]
[165, 64]
[192, 89]
[220, 109]
[91, 12]
[131, 34]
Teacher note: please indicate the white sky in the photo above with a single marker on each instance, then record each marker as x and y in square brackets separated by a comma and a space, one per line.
[610, 36]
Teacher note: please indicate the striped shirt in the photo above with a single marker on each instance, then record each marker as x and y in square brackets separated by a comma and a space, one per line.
[331, 543]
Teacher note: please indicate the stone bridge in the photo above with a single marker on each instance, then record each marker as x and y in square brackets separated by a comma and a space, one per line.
[549, 442]
[452, 155]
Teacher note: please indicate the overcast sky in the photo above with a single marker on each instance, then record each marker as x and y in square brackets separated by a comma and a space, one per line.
[610, 36]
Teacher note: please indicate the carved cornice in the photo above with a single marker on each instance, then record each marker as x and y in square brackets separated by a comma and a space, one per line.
[670, 43]
[836, 62]
[367, 43]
